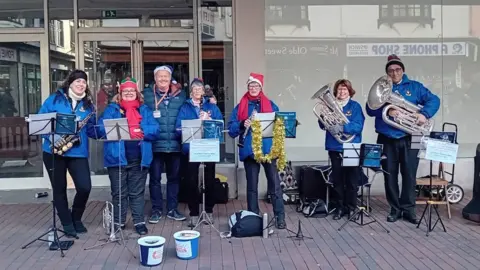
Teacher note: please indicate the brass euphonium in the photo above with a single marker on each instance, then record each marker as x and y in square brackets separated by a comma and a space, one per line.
[330, 114]
[381, 93]
[66, 142]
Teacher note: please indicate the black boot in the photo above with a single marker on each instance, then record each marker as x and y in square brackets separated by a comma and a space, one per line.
[339, 213]
[77, 223]
[280, 222]
[70, 231]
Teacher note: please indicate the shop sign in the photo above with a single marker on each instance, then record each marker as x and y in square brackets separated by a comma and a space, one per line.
[407, 49]
[7, 54]
[297, 50]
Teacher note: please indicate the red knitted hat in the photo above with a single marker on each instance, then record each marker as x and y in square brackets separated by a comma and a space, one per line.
[393, 59]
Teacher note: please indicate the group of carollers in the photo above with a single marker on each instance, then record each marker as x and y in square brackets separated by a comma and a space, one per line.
[154, 117]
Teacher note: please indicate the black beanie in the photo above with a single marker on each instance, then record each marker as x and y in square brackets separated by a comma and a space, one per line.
[393, 59]
[77, 74]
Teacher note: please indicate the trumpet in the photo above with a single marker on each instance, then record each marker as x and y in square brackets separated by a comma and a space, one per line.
[66, 142]
[381, 93]
[108, 222]
[330, 114]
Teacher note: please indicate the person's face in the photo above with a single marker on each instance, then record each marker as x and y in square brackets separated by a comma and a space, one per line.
[79, 86]
[395, 72]
[129, 94]
[162, 79]
[197, 92]
[342, 92]
[254, 89]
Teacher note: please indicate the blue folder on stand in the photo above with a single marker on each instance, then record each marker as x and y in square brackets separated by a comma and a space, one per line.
[213, 129]
[290, 122]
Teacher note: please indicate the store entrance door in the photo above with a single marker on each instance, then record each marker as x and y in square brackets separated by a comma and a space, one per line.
[110, 57]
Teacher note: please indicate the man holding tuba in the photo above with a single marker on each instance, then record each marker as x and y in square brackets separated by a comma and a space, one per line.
[345, 179]
[396, 139]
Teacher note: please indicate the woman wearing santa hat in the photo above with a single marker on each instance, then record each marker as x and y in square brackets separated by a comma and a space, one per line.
[130, 160]
[255, 99]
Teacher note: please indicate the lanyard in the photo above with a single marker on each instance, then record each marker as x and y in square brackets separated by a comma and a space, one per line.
[160, 101]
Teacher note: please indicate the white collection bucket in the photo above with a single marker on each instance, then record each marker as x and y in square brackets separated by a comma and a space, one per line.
[151, 250]
[187, 244]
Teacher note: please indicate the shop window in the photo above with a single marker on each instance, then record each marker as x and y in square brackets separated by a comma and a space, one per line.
[56, 33]
[287, 15]
[392, 14]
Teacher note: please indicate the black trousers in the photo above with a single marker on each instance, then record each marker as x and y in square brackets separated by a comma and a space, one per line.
[133, 178]
[194, 196]
[345, 181]
[399, 154]
[80, 172]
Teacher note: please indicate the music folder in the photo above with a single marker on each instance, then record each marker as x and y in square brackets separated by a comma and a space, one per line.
[117, 129]
[191, 130]
[267, 123]
[290, 122]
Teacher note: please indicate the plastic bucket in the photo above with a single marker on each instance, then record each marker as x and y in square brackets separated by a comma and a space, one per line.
[186, 244]
[151, 250]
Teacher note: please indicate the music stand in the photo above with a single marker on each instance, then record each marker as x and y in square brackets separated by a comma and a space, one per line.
[442, 148]
[38, 125]
[369, 156]
[202, 150]
[116, 130]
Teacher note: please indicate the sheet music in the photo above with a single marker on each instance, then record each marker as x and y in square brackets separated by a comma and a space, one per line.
[351, 154]
[39, 124]
[191, 130]
[123, 132]
[267, 123]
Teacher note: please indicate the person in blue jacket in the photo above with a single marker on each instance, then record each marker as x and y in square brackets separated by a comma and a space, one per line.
[255, 99]
[73, 97]
[128, 161]
[396, 143]
[198, 107]
[345, 179]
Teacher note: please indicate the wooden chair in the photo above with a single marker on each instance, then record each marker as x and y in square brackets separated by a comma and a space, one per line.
[438, 182]
[15, 143]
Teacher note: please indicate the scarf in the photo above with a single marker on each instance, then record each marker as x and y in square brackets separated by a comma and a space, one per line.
[75, 98]
[133, 117]
[265, 105]
[344, 102]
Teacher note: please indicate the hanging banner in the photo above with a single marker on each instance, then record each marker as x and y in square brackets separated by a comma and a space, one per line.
[406, 49]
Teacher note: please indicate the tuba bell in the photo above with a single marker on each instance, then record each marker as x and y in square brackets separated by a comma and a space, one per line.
[381, 93]
[330, 114]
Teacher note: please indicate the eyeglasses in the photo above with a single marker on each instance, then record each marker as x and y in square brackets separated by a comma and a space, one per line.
[397, 70]
[254, 86]
[129, 91]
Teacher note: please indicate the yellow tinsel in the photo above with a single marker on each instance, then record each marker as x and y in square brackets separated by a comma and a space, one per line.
[278, 146]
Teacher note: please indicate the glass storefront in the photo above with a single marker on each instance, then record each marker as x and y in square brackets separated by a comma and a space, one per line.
[310, 45]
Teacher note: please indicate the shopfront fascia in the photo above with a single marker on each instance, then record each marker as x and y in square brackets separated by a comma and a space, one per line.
[139, 41]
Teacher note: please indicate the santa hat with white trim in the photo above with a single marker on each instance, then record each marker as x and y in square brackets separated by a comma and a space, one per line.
[255, 77]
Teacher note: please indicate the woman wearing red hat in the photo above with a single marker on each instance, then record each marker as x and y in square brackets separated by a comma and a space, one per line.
[255, 100]
[131, 159]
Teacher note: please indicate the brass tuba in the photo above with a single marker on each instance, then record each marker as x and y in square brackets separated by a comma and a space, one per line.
[381, 93]
[329, 113]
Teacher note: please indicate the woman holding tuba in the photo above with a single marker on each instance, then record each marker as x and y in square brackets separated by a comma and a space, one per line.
[345, 179]
[71, 152]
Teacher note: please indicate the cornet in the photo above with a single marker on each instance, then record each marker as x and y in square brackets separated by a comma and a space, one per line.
[330, 114]
[381, 93]
[108, 222]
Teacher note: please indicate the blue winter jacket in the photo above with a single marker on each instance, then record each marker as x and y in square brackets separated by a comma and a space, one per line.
[413, 92]
[170, 106]
[236, 128]
[113, 153]
[189, 112]
[353, 111]
[59, 102]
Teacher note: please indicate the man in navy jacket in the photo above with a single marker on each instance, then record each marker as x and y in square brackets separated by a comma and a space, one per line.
[396, 143]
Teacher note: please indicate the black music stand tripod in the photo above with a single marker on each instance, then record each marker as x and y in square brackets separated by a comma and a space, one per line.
[361, 210]
[56, 243]
[118, 134]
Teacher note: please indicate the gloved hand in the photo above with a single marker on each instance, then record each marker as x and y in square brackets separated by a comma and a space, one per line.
[336, 129]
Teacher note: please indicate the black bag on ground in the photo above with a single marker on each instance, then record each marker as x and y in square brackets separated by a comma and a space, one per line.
[221, 191]
[245, 224]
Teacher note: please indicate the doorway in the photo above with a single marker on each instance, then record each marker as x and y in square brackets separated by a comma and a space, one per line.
[108, 58]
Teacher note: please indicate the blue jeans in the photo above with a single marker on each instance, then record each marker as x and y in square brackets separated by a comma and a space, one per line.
[252, 170]
[132, 179]
[169, 163]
